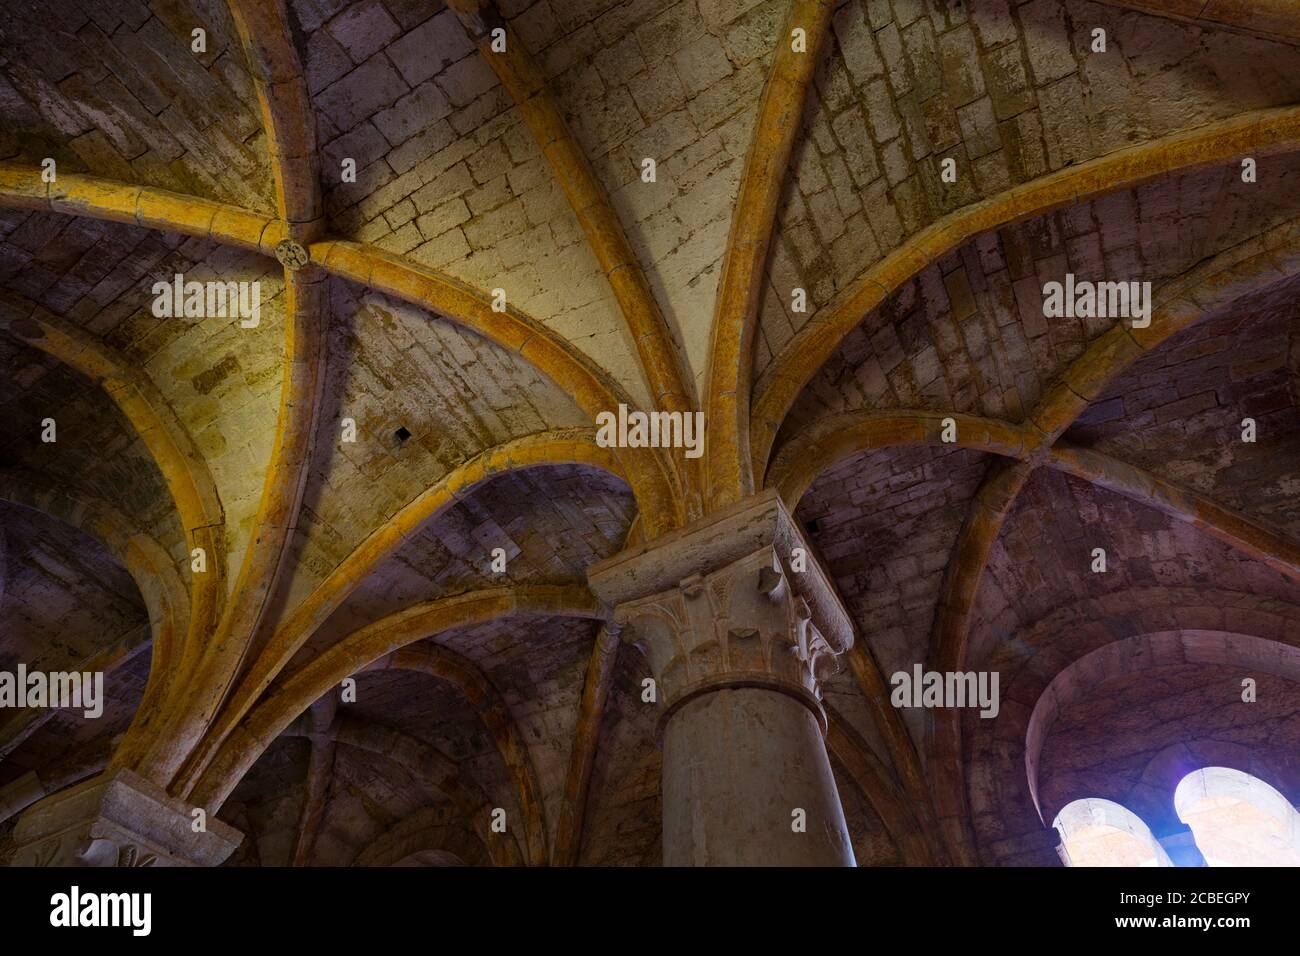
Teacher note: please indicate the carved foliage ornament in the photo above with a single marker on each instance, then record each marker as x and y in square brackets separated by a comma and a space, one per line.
[741, 624]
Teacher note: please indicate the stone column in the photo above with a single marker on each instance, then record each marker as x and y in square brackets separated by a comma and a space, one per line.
[1180, 846]
[739, 624]
[118, 819]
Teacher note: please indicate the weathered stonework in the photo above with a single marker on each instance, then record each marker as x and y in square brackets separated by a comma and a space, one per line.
[292, 255]
[739, 640]
[1009, 96]
[118, 820]
[120, 93]
[395, 479]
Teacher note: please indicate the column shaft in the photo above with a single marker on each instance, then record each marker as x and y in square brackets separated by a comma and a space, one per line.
[739, 625]
[738, 765]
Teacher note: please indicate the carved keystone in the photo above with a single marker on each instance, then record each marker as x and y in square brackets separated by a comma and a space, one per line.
[292, 255]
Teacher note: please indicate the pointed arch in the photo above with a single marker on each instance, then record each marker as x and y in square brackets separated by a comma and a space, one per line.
[241, 747]
[560, 446]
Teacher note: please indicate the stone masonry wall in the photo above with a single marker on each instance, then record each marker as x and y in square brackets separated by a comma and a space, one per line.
[114, 89]
[1009, 90]
[390, 366]
[968, 333]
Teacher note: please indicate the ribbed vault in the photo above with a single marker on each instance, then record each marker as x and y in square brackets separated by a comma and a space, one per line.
[465, 254]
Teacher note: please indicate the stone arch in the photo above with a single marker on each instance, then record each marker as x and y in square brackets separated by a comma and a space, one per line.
[1152, 797]
[108, 537]
[1096, 832]
[1238, 819]
[1009, 824]
[469, 680]
[275, 711]
[557, 446]
[425, 832]
[1143, 651]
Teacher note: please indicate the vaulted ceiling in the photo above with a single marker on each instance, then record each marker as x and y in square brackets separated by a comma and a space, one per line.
[682, 210]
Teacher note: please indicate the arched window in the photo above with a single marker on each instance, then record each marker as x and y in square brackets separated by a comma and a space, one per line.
[1237, 819]
[1097, 832]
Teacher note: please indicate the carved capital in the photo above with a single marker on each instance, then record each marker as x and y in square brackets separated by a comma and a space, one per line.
[118, 820]
[737, 600]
